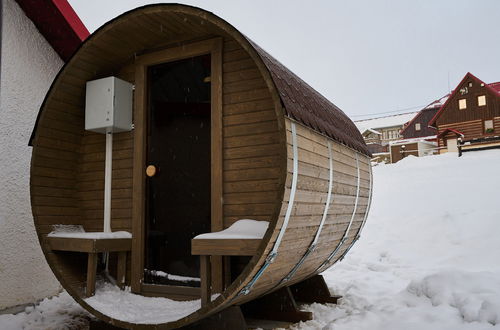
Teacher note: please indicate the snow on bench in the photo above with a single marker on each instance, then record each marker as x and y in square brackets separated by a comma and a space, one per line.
[72, 238]
[242, 238]
[241, 229]
[71, 231]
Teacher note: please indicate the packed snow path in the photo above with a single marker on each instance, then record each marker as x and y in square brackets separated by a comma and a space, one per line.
[428, 258]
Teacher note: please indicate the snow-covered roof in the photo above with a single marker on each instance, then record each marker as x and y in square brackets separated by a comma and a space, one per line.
[424, 139]
[372, 131]
[382, 122]
[495, 86]
[438, 103]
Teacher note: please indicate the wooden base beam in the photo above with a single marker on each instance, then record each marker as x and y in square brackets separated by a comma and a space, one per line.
[279, 306]
[313, 290]
[100, 325]
[230, 318]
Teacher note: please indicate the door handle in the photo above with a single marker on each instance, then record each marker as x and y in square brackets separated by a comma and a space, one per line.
[151, 171]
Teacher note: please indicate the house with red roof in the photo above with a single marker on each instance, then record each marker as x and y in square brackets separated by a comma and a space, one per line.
[37, 38]
[418, 138]
[470, 117]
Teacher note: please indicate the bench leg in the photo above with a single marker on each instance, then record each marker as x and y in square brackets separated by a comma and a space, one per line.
[91, 274]
[205, 280]
[121, 268]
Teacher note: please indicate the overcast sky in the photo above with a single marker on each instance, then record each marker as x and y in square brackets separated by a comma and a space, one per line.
[367, 57]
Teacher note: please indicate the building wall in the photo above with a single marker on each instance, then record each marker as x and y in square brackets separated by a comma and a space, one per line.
[398, 152]
[389, 133]
[423, 118]
[471, 129]
[28, 66]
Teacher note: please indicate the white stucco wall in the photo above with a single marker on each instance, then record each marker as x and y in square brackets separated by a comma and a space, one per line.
[29, 65]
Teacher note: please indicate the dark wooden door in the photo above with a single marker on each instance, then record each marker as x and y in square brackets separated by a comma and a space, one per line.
[178, 194]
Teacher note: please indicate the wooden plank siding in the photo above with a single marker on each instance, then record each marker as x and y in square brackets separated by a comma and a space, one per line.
[470, 129]
[252, 166]
[67, 174]
[309, 204]
[70, 162]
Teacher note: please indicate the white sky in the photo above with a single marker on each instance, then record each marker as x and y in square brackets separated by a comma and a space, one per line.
[367, 57]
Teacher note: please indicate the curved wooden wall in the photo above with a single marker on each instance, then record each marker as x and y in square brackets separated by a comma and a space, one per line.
[67, 179]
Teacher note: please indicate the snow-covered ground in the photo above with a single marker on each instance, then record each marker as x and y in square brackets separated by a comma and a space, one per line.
[429, 256]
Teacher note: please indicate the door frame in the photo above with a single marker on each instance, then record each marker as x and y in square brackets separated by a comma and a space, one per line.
[214, 48]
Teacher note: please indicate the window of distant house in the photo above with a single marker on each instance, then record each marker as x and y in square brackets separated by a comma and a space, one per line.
[462, 104]
[488, 126]
[417, 127]
[481, 100]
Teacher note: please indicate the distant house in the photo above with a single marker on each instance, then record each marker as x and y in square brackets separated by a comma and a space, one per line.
[418, 138]
[470, 118]
[419, 127]
[37, 37]
[381, 131]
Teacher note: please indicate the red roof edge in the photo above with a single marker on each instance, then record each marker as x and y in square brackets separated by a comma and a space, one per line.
[488, 86]
[58, 23]
[436, 116]
[72, 18]
[443, 133]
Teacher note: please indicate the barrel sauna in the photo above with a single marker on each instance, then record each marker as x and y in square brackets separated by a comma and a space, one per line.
[269, 148]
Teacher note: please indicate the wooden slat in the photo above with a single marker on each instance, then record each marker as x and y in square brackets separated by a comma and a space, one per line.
[89, 245]
[225, 247]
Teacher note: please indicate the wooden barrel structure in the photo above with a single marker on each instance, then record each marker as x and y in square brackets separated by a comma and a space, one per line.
[277, 151]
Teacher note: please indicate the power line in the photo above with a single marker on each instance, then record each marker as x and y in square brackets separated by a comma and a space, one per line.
[387, 112]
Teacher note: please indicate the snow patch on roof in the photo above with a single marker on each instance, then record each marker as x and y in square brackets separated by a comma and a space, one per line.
[495, 86]
[419, 139]
[373, 131]
[387, 121]
[438, 103]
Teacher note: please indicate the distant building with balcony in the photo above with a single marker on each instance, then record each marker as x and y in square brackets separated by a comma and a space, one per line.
[381, 131]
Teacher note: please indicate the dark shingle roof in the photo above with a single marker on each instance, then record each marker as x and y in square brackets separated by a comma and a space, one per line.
[306, 105]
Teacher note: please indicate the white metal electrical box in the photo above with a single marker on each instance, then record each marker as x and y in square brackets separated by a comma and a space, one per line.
[108, 105]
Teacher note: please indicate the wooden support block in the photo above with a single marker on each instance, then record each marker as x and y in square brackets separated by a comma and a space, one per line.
[89, 244]
[91, 274]
[205, 280]
[313, 290]
[278, 305]
[226, 263]
[121, 268]
[230, 318]
[100, 325]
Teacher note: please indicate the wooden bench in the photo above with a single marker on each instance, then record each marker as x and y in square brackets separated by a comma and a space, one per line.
[218, 247]
[93, 246]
